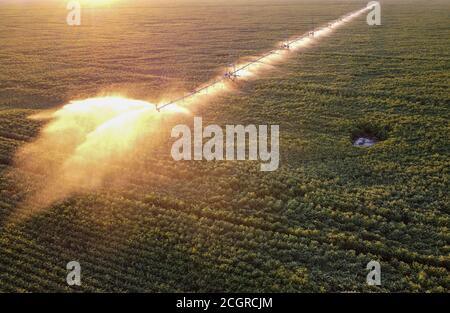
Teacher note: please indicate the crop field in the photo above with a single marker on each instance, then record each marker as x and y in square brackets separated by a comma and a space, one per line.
[153, 224]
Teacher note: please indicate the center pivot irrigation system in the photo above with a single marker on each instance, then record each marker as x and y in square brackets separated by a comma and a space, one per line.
[233, 72]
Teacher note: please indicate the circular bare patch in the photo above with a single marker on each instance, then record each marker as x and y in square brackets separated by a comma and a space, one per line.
[367, 134]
